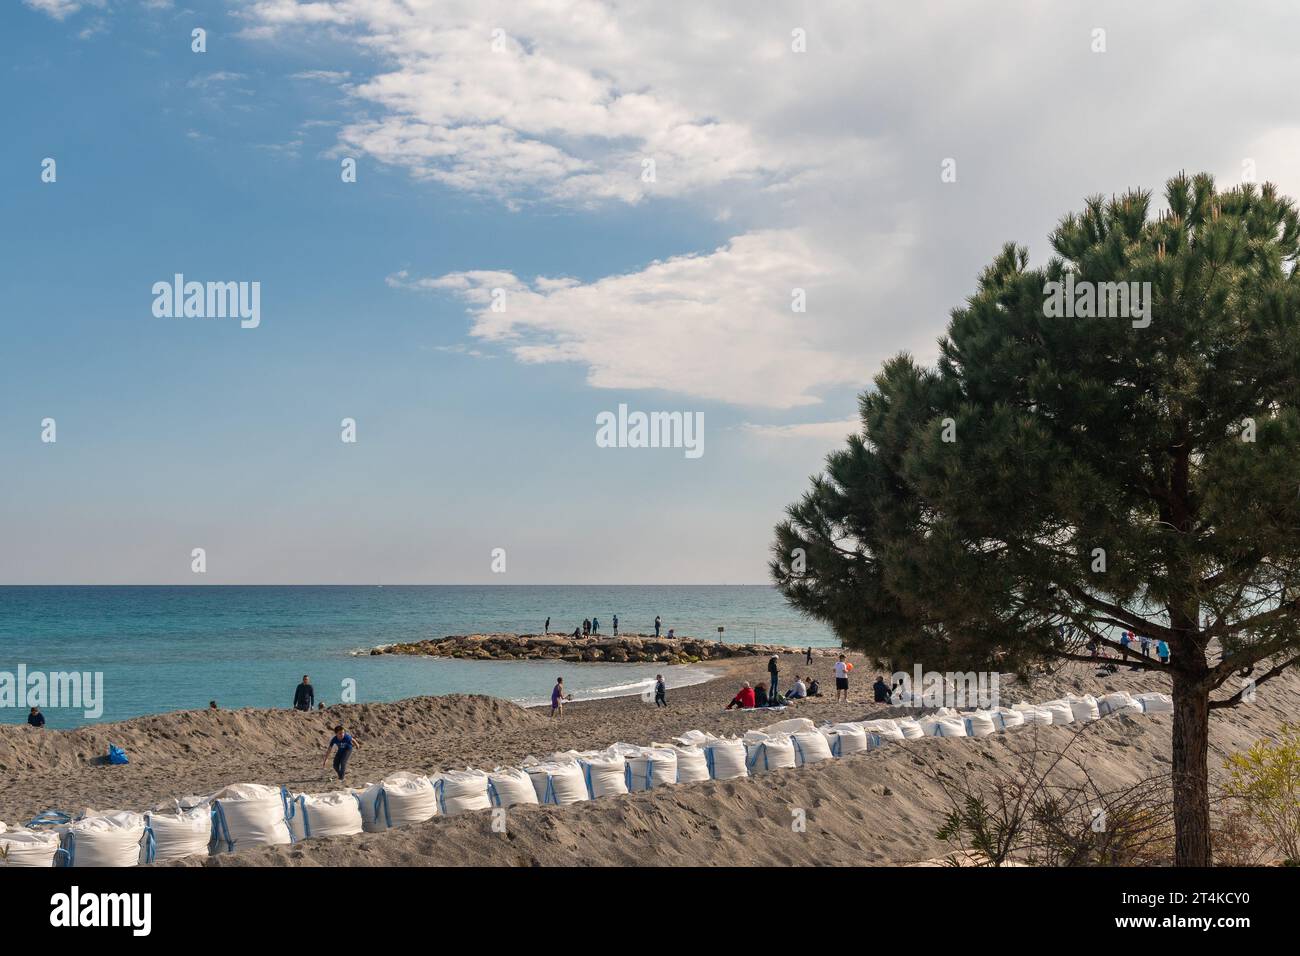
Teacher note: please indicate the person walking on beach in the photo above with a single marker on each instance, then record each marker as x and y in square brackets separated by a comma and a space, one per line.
[35, 718]
[661, 691]
[345, 743]
[842, 680]
[773, 677]
[656, 625]
[616, 625]
[807, 656]
[1145, 642]
[558, 698]
[305, 695]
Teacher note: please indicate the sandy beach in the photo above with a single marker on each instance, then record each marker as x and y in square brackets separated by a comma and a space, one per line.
[880, 807]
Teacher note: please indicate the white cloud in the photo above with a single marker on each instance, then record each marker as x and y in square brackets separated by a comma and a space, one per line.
[325, 76]
[58, 9]
[716, 327]
[822, 432]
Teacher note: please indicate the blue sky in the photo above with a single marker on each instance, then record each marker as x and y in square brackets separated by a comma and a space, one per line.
[520, 168]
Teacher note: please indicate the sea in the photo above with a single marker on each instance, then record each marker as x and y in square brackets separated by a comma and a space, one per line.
[158, 649]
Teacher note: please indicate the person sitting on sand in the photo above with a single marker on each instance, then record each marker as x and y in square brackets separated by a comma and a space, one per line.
[760, 696]
[799, 690]
[35, 718]
[814, 688]
[212, 705]
[345, 743]
[305, 695]
[577, 632]
[558, 698]
[661, 691]
[744, 699]
[880, 689]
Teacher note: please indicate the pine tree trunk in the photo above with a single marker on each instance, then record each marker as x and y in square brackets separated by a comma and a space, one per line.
[1191, 741]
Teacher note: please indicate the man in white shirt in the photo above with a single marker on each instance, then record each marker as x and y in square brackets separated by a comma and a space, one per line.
[841, 679]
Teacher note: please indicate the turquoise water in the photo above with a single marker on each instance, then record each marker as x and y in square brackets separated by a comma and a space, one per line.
[171, 648]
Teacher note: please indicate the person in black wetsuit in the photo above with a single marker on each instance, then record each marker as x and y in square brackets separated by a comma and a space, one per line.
[305, 695]
[35, 718]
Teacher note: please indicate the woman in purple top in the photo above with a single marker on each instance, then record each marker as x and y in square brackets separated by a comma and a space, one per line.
[558, 698]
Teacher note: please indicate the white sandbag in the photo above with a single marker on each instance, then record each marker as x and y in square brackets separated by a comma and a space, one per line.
[693, 738]
[23, 847]
[692, 764]
[508, 786]
[846, 739]
[936, 725]
[1156, 703]
[174, 835]
[247, 815]
[810, 746]
[793, 725]
[559, 783]
[111, 839]
[652, 767]
[883, 731]
[399, 800]
[980, 723]
[764, 753]
[606, 774]
[1034, 715]
[910, 728]
[461, 791]
[325, 815]
[1062, 712]
[1084, 708]
[1006, 718]
[726, 758]
[1119, 703]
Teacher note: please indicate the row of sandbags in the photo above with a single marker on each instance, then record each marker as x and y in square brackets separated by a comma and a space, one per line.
[249, 815]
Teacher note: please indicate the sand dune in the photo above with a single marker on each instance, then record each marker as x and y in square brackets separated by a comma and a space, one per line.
[879, 807]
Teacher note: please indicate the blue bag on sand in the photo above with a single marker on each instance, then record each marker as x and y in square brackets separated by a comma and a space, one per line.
[116, 755]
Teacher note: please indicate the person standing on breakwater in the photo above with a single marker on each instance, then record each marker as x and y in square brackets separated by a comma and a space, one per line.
[344, 742]
[595, 625]
[616, 625]
[656, 625]
[305, 695]
[547, 628]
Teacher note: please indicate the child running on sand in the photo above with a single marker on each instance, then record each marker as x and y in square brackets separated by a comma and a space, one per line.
[661, 691]
[345, 743]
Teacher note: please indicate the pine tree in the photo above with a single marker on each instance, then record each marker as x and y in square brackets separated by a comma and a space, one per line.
[1054, 480]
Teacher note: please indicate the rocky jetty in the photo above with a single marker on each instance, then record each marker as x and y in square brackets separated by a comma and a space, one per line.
[624, 649]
